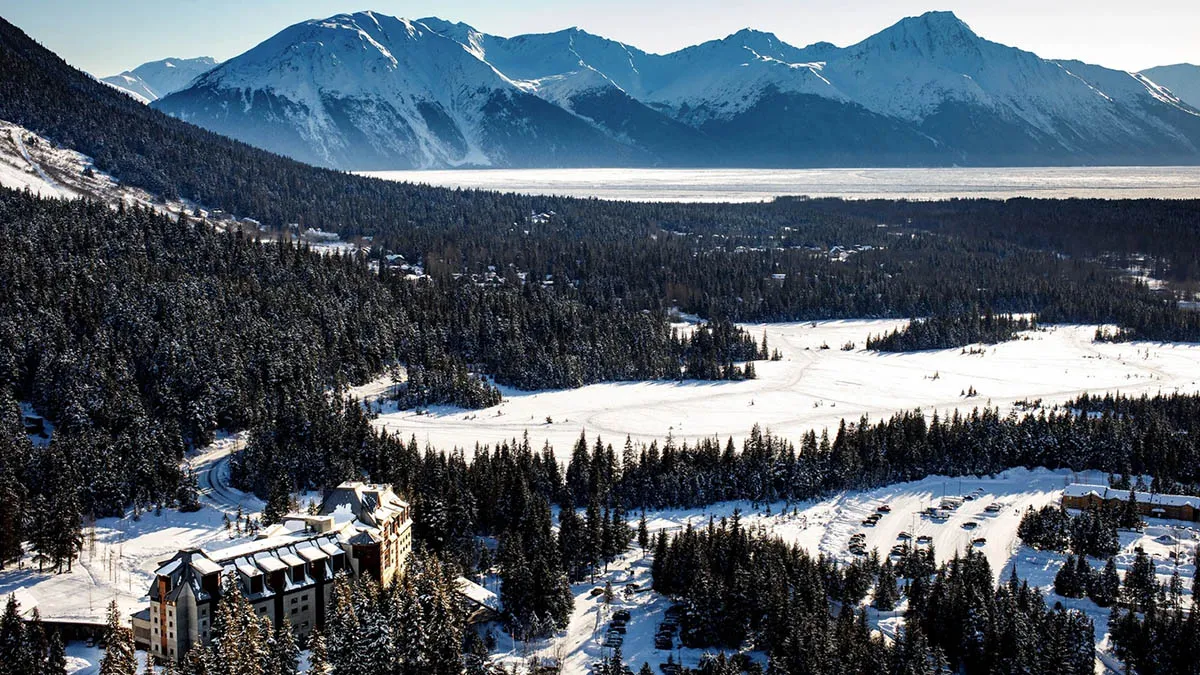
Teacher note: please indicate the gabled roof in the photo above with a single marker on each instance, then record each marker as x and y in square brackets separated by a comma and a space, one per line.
[477, 594]
[371, 505]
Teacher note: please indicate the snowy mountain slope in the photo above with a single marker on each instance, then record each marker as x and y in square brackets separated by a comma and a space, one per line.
[371, 91]
[154, 80]
[366, 91]
[991, 100]
[1183, 79]
[539, 56]
[686, 108]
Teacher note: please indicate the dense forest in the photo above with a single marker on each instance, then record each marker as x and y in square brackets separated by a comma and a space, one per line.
[941, 332]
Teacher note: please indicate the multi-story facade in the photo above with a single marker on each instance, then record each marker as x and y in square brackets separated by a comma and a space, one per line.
[287, 572]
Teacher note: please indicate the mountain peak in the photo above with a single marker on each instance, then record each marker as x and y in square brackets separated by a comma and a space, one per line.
[937, 24]
[755, 39]
[932, 35]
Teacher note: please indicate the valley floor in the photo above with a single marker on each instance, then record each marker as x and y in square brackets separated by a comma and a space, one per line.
[816, 388]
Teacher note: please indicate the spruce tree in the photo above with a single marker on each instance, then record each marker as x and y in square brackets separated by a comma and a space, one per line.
[285, 654]
[1131, 518]
[1106, 588]
[1140, 587]
[643, 533]
[886, 594]
[56, 655]
[120, 656]
[1065, 582]
[318, 657]
[12, 636]
[342, 627]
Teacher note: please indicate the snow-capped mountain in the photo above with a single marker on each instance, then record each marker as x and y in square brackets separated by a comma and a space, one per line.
[371, 91]
[367, 91]
[1183, 79]
[152, 81]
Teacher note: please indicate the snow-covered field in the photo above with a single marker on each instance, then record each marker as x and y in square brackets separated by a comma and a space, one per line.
[814, 388]
[826, 526]
[753, 185]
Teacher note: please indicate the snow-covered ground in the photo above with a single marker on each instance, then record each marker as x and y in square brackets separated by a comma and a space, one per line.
[826, 526]
[814, 388]
[757, 185]
[120, 554]
[31, 161]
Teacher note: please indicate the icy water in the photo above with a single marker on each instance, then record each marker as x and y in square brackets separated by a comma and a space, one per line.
[749, 185]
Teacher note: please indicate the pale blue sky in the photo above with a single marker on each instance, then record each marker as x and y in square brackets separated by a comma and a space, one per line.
[107, 36]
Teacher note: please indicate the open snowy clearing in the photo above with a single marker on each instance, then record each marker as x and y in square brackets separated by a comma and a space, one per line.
[826, 526]
[120, 555]
[815, 388]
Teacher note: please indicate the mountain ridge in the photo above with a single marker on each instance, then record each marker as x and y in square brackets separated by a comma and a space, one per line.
[156, 79]
[369, 91]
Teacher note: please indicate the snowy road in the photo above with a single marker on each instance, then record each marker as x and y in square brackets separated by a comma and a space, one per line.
[212, 473]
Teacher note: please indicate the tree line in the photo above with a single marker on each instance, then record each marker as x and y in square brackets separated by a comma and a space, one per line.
[942, 332]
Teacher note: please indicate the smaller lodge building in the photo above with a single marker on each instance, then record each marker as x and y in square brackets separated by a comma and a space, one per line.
[1176, 507]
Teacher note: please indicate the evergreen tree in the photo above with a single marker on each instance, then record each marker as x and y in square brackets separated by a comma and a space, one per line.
[120, 655]
[1140, 588]
[285, 653]
[13, 646]
[318, 657]
[1131, 518]
[56, 655]
[1066, 582]
[342, 626]
[886, 594]
[1106, 588]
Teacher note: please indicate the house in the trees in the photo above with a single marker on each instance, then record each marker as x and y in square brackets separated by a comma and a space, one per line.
[1176, 507]
[287, 572]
